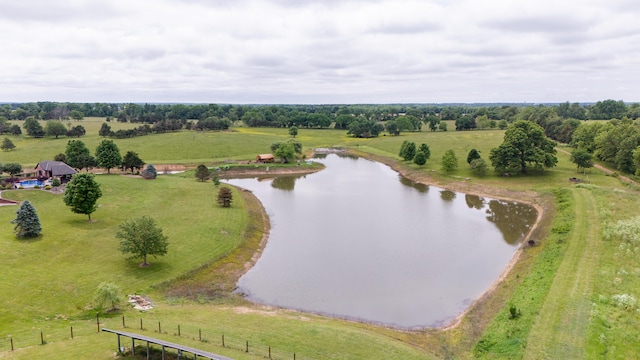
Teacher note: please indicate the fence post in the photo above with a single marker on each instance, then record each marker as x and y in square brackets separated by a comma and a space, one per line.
[247, 347]
[98, 321]
[41, 338]
[178, 329]
[72, 332]
[159, 328]
[222, 340]
[141, 325]
[123, 325]
[200, 334]
[294, 356]
[11, 343]
[269, 352]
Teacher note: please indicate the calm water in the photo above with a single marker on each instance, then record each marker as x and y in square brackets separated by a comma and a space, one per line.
[358, 241]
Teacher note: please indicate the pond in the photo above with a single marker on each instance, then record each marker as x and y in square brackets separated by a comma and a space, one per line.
[358, 241]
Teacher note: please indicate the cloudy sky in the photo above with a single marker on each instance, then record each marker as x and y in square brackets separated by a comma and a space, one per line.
[327, 51]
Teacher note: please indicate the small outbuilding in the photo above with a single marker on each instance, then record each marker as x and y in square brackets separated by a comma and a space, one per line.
[265, 158]
[54, 169]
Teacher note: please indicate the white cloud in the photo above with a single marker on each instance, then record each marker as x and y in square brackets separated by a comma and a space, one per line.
[285, 51]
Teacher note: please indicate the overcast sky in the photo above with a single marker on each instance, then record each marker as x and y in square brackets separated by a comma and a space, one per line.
[331, 51]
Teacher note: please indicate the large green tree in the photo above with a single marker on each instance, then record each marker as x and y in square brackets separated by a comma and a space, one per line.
[33, 127]
[77, 155]
[285, 151]
[7, 145]
[108, 155]
[105, 130]
[132, 161]
[82, 194]
[582, 158]
[433, 122]
[524, 145]
[407, 150]
[76, 115]
[141, 237]
[12, 169]
[27, 221]
[55, 128]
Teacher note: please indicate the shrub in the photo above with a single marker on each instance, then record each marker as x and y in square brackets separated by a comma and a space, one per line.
[55, 182]
[514, 312]
[150, 172]
[47, 187]
[107, 294]
[625, 230]
[624, 301]
[36, 186]
[27, 221]
[479, 167]
[225, 197]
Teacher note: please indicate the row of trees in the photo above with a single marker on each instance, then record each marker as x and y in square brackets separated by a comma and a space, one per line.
[525, 146]
[107, 156]
[52, 128]
[310, 115]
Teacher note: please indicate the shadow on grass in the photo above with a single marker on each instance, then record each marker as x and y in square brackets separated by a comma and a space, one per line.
[29, 240]
[156, 265]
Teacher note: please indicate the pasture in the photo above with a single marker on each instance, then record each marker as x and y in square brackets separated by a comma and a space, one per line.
[566, 288]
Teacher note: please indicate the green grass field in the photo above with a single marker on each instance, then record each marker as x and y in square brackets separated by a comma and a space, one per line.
[565, 287]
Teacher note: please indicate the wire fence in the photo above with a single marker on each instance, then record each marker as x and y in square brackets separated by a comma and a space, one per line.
[209, 339]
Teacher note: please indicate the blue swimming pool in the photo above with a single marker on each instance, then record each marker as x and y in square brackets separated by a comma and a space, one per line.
[30, 183]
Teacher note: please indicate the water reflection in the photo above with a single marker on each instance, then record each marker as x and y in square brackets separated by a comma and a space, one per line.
[286, 183]
[447, 195]
[512, 219]
[474, 201]
[423, 188]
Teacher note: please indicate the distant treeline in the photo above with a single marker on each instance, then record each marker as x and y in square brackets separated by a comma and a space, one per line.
[559, 121]
[307, 115]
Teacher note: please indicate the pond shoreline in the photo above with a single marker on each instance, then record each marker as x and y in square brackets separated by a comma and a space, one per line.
[423, 177]
[467, 187]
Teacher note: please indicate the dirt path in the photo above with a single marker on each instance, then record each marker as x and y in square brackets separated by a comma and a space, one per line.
[559, 330]
[607, 171]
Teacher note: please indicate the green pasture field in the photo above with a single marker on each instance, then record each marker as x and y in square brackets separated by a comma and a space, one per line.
[564, 288]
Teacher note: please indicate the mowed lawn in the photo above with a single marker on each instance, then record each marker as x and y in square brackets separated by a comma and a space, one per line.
[59, 272]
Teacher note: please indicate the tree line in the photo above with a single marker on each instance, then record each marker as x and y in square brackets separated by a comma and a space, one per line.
[310, 115]
[558, 121]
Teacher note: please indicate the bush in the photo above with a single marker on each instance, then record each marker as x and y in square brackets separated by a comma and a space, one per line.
[225, 197]
[479, 167]
[624, 301]
[514, 312]
[150, 172]
[625, 230]
[55, 182]
[107, 294]
[47, 187]
[36, 186]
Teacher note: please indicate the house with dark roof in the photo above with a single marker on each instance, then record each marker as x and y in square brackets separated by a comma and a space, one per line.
[54, 169]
